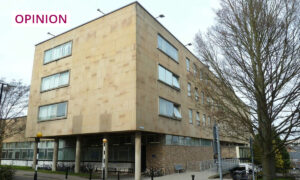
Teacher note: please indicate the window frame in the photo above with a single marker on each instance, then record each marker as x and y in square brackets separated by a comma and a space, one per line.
[174, 106]
[173, 76]
[195, 70]
[56, 118]
[159, 35]
[189, 89]
[60, 57]
[58, 87]
[188, 64]
[190, 112]
[196, 94]
[198, 121]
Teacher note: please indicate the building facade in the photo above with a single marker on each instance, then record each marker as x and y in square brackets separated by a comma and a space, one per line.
[124, 77]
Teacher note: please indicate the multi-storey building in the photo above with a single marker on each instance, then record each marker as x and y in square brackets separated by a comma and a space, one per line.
[125, 77]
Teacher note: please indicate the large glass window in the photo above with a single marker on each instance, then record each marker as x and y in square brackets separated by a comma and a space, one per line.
[168, 77]
[186, 141]
[191, 116]
[169, 109]
[58, 52]
[53, 111]
[55, 81]
[166, 47]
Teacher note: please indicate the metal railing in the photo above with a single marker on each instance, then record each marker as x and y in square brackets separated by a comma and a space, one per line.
[227, 164]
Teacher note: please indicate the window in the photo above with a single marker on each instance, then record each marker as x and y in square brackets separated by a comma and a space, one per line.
[208, 121]
[168, 139]
[53, 111]
[191, 116]
[198, 119]
[195, 69]
[208, 100]
[167, 48]
[201, 75]
[168, 77]
[55, 81]
[196, 94]
[169, 109]
[175, 140]
[202, 97]
[186, 141]
[189, 89]
[204, 119]
[58, 52]
[187, 64]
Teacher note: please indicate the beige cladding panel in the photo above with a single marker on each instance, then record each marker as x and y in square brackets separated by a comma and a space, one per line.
[149, 89]
[101, 91]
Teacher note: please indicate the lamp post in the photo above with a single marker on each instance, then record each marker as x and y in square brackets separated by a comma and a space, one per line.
[37, 140]
[104, 158]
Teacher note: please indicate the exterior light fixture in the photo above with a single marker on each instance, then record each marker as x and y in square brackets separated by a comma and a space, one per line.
[160, 16]
[100, 11]
[51, 34]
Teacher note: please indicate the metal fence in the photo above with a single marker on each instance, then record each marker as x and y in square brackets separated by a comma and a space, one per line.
[212, 165]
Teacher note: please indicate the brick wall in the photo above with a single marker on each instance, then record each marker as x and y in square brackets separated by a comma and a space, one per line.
[161, 156]
[166, 156]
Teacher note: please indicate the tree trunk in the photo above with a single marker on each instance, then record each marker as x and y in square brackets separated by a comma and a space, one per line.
[268, 163]
[1, 145]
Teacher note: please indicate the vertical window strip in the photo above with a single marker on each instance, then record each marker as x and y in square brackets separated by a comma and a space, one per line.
[189, 89]
[198, 118]
[187, 64]
[190, 116]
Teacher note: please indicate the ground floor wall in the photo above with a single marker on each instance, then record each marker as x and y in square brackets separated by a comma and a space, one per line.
[157, 151]
[167, 156]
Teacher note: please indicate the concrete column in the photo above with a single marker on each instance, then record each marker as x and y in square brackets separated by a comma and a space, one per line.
[77, 155]
[55, 154]
[34, 154]
[137, 159]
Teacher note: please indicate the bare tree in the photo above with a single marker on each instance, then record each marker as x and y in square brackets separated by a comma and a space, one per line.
[13, 105]
[253, 51]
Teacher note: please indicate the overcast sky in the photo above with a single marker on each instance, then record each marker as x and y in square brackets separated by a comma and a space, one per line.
[184, 18]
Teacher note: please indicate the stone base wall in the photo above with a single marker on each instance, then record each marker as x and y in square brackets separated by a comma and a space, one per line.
[167, 156]
[228, 151]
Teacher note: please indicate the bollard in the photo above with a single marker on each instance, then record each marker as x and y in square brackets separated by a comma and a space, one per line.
[193, 177]
[103, 171]
[91, 171]
[118, 175]
[152, 174]
[67, 172]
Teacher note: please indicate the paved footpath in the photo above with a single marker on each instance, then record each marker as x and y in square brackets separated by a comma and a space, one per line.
[28, 175]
